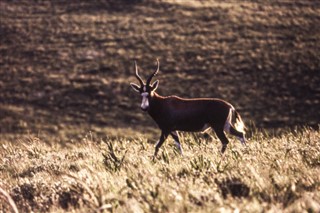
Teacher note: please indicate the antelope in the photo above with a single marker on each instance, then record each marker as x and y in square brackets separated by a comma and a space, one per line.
[173, 114]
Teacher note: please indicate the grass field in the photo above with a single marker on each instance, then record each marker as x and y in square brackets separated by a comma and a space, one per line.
[118, 175]
[66, 66]
[73, 136]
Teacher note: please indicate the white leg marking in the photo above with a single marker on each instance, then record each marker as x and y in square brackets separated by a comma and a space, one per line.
[178, 145]
[226, 127]
[242, 140]
[157, 143]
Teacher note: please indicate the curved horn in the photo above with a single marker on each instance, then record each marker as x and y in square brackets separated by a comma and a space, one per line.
[153, 74]
[137, 74]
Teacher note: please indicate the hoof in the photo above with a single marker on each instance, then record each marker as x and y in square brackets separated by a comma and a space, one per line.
[153, 158]
[223, 149]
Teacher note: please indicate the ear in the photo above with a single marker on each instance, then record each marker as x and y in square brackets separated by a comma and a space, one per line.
[135, 87]
[155, 84]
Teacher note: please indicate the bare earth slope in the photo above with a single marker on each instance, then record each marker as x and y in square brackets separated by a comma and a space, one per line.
[66, 67]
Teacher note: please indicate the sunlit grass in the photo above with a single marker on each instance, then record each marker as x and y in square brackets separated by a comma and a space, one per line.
[118, 174]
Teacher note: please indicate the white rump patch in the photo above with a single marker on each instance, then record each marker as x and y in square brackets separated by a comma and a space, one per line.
[239, 125]
[145, 101]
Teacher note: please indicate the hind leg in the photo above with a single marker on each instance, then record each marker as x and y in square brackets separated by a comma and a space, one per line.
[228, 127]
[239, 135]
[224, 140]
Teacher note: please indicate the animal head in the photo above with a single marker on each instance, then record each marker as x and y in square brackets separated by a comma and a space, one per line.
[146, 90]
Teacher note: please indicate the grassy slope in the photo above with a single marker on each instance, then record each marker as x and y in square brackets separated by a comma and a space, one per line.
[271, 173]
[64, 71]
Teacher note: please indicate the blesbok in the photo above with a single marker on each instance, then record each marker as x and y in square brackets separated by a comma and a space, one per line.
[174, 114]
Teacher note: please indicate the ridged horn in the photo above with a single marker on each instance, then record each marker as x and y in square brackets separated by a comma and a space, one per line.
[137, 74]
[153, 74]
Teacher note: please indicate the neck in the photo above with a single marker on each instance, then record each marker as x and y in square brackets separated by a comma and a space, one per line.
[155, 100]
[157, 110]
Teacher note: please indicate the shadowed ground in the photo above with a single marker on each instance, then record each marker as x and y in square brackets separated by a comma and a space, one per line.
[65, 67]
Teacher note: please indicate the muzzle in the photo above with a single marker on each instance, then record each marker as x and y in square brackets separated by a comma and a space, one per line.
[145, 101]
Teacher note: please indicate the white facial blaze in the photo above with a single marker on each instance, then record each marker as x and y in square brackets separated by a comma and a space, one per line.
[145, 101]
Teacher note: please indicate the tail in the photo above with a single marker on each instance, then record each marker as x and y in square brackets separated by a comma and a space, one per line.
[239, 125]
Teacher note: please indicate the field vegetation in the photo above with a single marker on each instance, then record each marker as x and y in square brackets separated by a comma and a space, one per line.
[118, 175]
[66, 66]
[73, 137]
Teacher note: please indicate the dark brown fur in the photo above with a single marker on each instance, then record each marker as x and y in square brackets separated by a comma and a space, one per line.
[178, 114]
[174, 114]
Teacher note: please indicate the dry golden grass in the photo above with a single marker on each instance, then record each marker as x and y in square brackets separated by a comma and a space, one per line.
[67, 65]
[118, 175]
[65, 69]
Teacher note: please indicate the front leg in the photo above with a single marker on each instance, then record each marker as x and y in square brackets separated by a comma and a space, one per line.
[163, 137]
[175, 136]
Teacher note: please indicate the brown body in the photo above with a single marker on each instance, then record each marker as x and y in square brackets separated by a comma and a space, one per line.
[177, 114]
[174, 114]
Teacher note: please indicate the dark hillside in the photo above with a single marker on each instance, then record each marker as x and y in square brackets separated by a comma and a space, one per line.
[65, 67]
